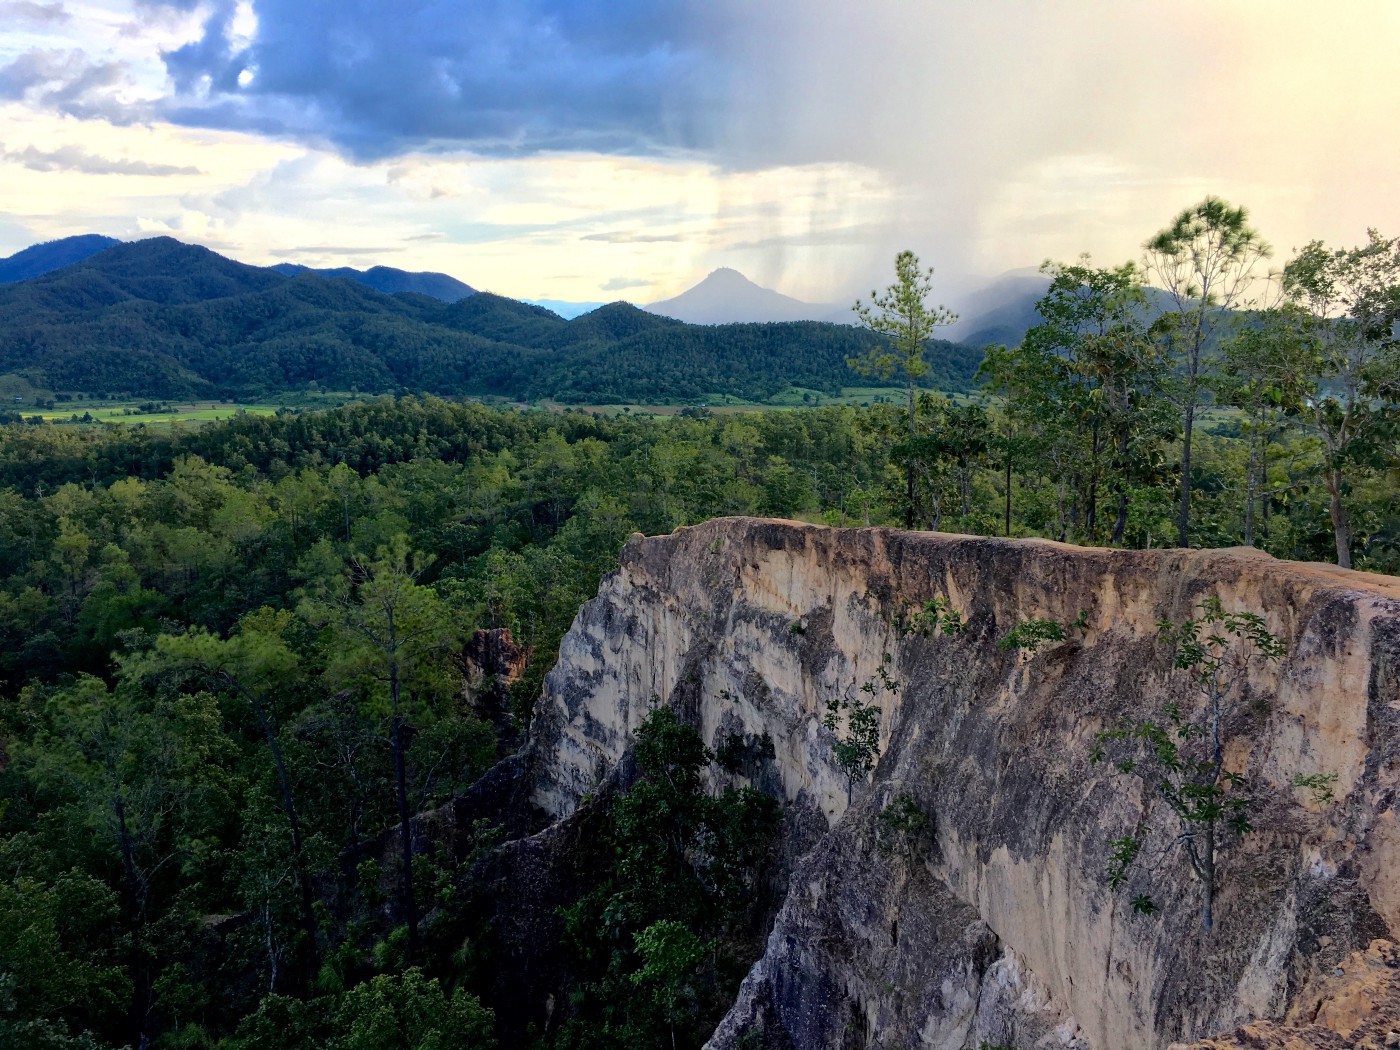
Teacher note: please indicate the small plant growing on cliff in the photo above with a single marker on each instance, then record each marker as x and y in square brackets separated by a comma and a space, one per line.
[858, 741]
[936, 616]
[1031, 634]
[1181, 760]
[1321, 786]
[902, 827]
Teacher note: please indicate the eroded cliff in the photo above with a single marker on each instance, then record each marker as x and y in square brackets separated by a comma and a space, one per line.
[999, 926]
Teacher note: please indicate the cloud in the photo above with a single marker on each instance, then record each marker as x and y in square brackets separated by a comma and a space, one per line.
[327, 249]
[28, 11]
[631, 237]
[616, 284]
[508, 77]
[858, 234]
[67, 81]
[75, 158]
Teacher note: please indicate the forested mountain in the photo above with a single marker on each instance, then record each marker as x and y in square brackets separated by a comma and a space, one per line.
[158, 318]
[390, 281]
[43, 258]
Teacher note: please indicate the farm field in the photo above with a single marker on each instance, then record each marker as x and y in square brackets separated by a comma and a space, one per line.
[132, 413]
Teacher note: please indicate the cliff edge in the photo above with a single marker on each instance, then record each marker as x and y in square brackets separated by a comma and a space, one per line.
[998, 924]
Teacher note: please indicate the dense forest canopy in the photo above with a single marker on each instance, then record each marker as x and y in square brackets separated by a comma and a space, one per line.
[233, 659]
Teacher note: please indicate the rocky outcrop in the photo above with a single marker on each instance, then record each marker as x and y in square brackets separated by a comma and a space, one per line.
[997, 923]
[491, 663]
[1356, 1008]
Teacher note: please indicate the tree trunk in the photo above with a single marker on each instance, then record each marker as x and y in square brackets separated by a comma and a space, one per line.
[909, 466]
[308, 912]
[1341, 527]
[1251, 489]
[140, 978]
[1208, 879]
[1006, 528]
[1183, 518]
[407, 902]
[1120, 524]
[909, 493]
[1091, 514]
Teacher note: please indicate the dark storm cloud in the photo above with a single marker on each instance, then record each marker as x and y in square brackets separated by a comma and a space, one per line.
[378, 77]
[75, 158]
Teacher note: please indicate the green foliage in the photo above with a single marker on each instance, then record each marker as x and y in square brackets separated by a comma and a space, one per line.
[935, 616]
[855, 724]
[409, 1011]
[1204, 262]
[1084, 397]
[903, 828]
[902, 315]
[904, 321]
[658, 937]
[188, 619]
[1030, 635]
[1321, 787]
[1181, 759]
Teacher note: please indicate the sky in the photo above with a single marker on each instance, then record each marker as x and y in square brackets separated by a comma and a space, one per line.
[605, 149]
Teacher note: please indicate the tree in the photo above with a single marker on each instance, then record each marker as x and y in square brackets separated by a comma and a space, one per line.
[1084, 390]
[1181, 759]
[386, 632]
[145, 775]
[1351, 300]
[1261, 365]
[409, 1011]
[684, 873]
[1204, 261]
[855, 725]
[902, 315]
[256, 665]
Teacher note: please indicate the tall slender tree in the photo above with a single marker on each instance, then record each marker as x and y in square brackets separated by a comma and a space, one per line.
[387, 631]
[1204, 261]
[902, 314]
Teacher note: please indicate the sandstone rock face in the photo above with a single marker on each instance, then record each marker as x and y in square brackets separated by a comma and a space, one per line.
[998, 924]
[1358, 1008]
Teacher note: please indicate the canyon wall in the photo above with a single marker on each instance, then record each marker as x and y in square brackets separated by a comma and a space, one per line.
[998, 924]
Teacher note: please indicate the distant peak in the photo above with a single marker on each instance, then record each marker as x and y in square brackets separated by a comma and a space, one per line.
[728, 273]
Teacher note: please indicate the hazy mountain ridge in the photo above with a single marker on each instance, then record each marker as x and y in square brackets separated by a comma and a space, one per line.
[999, 311]
[728, 297]
[39, 259]
[159, 318]
[390, 280]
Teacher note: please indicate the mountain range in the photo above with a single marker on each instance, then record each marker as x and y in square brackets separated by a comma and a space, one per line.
[159, 318]
[391, 281]
[999, 310]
